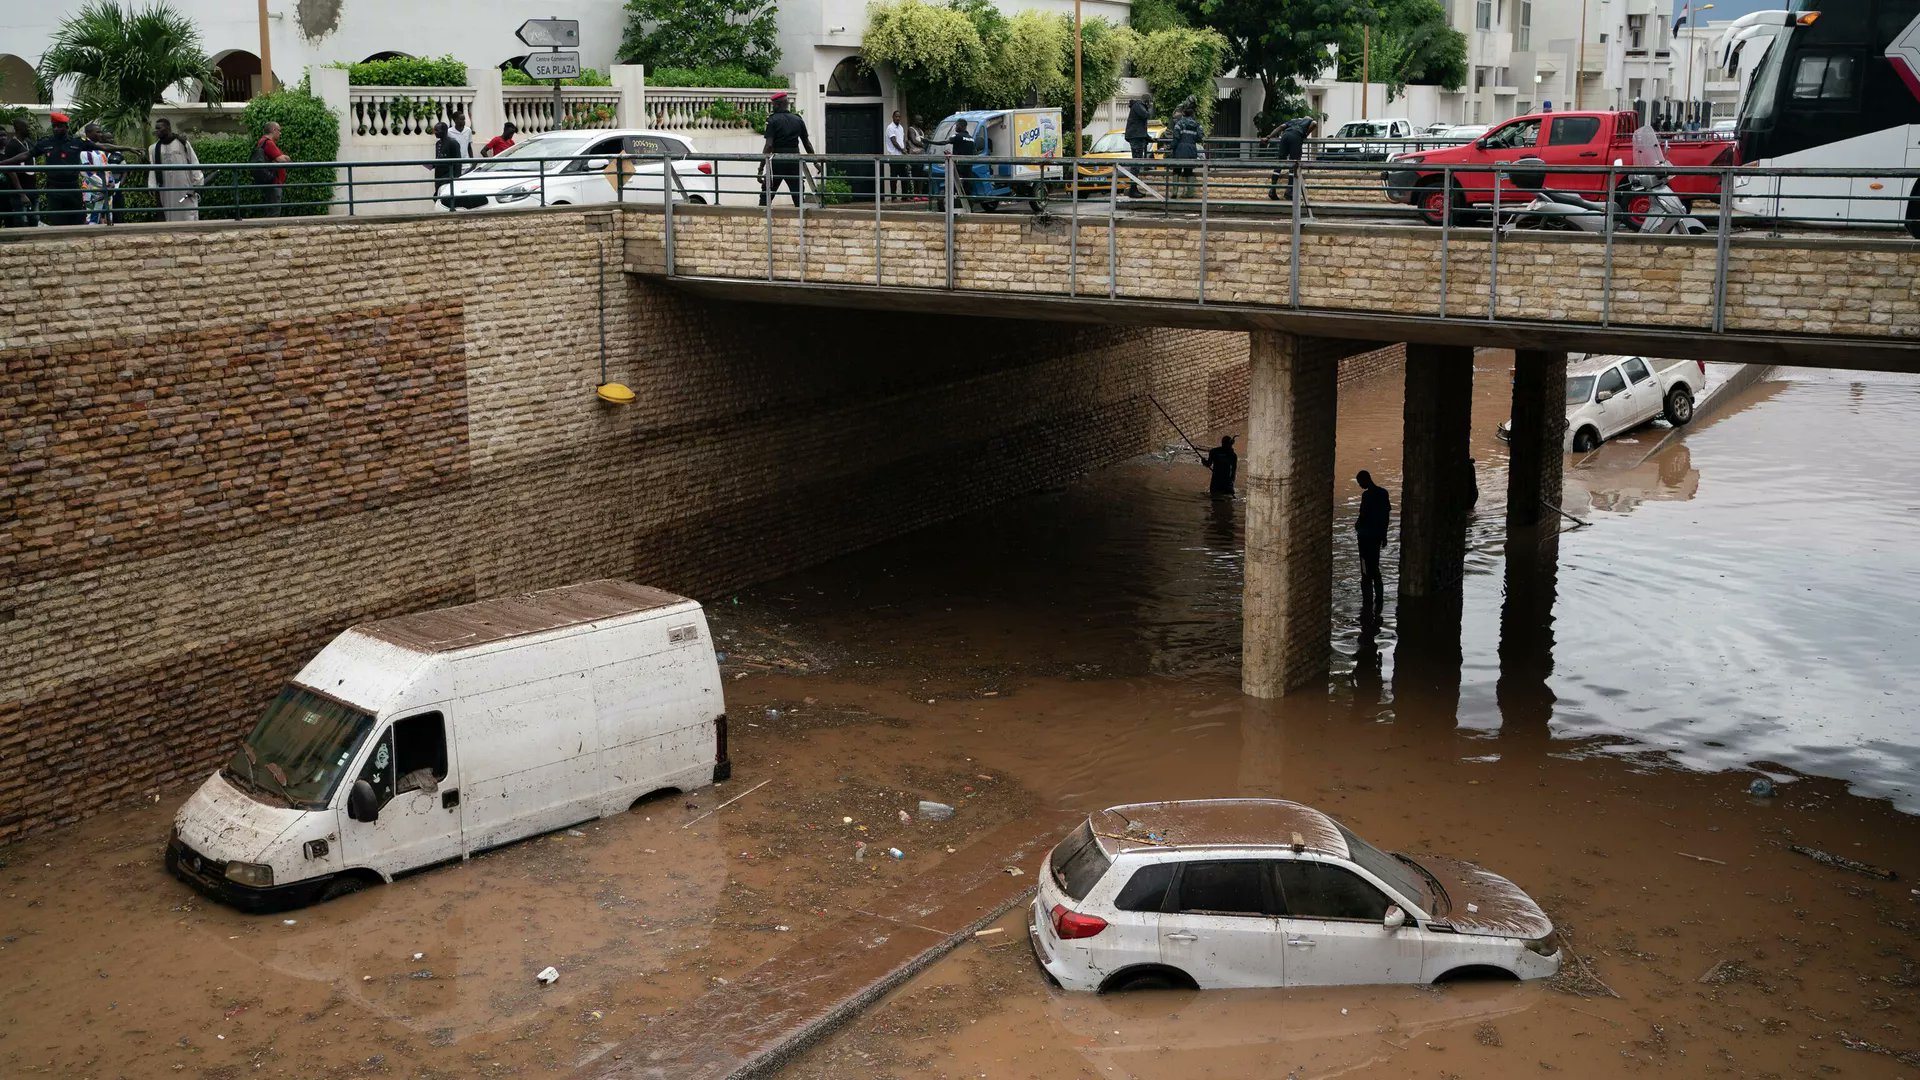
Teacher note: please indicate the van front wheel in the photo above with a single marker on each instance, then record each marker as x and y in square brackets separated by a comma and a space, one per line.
[341, 886]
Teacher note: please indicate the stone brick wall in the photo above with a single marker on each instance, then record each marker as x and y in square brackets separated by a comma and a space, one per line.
[1787, 285]
[225, 444]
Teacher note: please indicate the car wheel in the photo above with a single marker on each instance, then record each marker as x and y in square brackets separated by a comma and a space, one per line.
[1679, 406]
[1149, 979]
[1434, 202]
[342, 886]
[990, 206]
[697, 200]
[1913, 212]
[1586, 440]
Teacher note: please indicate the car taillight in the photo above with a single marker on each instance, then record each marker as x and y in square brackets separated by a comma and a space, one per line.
[1703, 368]
[1727, 155]
[707, 167]
[1068, 925]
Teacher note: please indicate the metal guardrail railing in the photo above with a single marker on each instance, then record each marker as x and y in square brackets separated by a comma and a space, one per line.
[1682, 205]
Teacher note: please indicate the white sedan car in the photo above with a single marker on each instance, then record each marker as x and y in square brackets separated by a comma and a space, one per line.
[1265, 892]
[513, 180]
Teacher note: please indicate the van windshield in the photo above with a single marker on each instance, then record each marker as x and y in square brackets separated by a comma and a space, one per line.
[299, 749]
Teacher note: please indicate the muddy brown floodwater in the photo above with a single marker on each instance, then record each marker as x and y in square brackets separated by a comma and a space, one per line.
[1740, 600]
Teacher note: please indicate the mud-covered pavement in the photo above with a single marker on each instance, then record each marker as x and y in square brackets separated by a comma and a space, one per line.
[1589, 732]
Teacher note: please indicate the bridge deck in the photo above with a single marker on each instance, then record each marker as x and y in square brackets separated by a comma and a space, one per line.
[1817, 301]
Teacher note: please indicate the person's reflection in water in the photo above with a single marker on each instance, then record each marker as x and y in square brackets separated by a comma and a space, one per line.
[1221, 536]
[1526, 636]
[1367, 683]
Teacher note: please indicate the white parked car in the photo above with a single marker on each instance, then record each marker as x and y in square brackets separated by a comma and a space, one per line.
[513, 180]
[1465, 131]
[1266, 892]
[1365, 140]
[1610, 395]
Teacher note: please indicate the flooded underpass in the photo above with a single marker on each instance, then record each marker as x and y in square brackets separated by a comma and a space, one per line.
[1736, 601]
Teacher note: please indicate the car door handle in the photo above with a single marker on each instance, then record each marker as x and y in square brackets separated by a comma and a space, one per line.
[1300, 943]
[450, 798]
[1183, 937]
[1589, 153]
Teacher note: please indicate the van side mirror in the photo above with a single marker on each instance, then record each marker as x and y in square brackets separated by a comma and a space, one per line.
[1396, 917]
[1604, 395]
[362, 803]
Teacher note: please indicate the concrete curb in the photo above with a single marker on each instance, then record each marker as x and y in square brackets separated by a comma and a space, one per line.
[781, 1053]
[761, 1020]
[1715, 399]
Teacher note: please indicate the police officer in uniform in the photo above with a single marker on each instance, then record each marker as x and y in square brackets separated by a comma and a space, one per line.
[60, 200]
[786, 134]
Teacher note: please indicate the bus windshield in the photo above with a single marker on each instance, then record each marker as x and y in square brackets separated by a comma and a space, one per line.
[299, 749]
[1764, 93]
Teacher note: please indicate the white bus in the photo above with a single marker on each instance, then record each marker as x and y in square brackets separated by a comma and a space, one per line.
[1838, 89]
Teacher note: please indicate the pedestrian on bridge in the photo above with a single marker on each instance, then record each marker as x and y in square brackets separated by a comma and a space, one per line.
[1370, 529]
[1185, 139]
[446, 165]
[1225, 464]
[1291, 140]
[1139, 136]
[786, 134]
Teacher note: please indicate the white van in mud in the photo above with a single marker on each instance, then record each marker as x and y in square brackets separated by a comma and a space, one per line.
[426, 738]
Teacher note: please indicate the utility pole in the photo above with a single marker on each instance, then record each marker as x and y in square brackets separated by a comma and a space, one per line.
[266, 53]
[1580, 61]
[1366, 68]
[1079, 124]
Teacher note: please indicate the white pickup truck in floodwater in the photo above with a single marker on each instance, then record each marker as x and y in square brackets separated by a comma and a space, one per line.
[1611, 395]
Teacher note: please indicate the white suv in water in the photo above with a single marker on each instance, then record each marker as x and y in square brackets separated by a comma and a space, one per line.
[1265, 892]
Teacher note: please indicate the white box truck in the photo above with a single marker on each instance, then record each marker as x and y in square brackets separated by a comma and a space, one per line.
[423, 739]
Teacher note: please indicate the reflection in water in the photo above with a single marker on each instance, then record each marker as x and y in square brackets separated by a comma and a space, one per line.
[1732, 598]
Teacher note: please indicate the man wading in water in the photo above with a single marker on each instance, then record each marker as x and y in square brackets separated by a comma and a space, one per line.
[1225, 465]
[1370, 529]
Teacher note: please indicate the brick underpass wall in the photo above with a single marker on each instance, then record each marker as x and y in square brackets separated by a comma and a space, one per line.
[226, 444]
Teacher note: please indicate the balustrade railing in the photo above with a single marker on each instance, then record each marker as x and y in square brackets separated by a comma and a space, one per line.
[404, 112]
[685, 108]
[530, 108]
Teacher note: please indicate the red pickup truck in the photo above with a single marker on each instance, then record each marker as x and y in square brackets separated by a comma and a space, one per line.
[1561, 138]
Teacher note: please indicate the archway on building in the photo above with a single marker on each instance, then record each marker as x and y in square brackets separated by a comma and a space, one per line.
[17, 84]
[388, 54]
[239, 74]
[855, 119]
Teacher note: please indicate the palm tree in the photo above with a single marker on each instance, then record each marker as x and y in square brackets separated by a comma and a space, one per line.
[123, 61]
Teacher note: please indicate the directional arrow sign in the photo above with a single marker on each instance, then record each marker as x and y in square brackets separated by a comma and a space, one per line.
[550, 34]
[553, 65]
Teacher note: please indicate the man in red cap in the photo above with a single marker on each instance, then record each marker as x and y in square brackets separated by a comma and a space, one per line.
[60, 204]
[786, 134]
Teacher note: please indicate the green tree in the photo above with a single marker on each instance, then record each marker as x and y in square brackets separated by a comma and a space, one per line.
[1023, 62]
[1180, 63]
[1148, 16]
[1410, 44]
[701, 33]
[1279, 42]
[1104, 49]
[936, 52]
[122, 62]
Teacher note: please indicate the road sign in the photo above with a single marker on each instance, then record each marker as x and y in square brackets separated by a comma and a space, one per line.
[550, 34]
[553, 65]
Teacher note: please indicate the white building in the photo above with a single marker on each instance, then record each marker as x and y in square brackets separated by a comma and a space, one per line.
[1696, 73]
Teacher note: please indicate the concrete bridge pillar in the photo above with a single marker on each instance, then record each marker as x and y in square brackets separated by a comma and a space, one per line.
[1436, 485]
[1538, 436]
[1288, 604]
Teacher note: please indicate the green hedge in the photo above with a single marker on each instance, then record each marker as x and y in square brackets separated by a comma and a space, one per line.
[513, 76]
[714, 75]
[406, 71]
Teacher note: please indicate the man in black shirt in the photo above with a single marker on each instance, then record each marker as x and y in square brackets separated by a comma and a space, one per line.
[1291, 139]
[960, 144]
[1225, 465]
[446, 165]
[1370, 529]
[786, 134]
[17, 188]
[61, 201]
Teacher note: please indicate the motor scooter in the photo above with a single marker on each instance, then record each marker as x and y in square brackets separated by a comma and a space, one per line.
[1644, 203]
